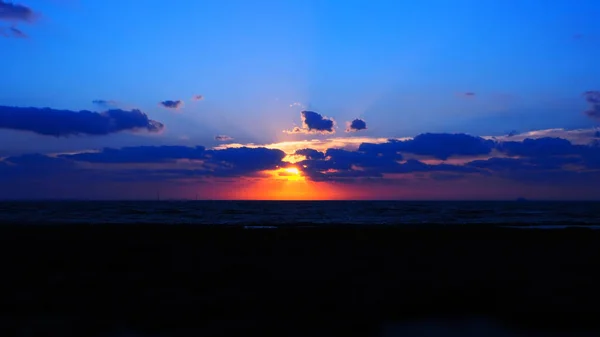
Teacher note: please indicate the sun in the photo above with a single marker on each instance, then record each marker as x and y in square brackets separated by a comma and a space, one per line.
[292, 171]
[289, 174]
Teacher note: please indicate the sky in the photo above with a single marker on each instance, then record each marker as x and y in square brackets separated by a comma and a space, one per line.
[300, 99]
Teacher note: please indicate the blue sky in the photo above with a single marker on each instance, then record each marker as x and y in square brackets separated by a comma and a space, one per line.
[405, 67]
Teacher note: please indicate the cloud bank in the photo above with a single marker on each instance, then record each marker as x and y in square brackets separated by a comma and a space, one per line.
[63, 123]
[432, 158]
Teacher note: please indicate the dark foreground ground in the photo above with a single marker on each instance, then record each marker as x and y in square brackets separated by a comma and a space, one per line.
[192, 281]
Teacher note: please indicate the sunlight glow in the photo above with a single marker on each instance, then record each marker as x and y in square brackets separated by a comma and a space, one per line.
[292, 170]
[290, 174]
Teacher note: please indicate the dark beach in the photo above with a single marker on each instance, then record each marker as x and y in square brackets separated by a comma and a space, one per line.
[186, 280]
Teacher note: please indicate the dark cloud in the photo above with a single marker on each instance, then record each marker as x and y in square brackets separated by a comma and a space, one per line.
[14, 12]
[313, 122]
[105, 103]
[171, 104]
[413, 165]
[550, 154]
[437, 145]
[63, 123]
[356, 125]
[223, 138]
[544, 155]
[225, 162]
[197, 98]
[469, 94]
[547, 171]
[311, 154]
[33, 168]
[593, 98]
[343, 164]
[245, 160]
[444, 145]
[344, 160]
[547, 161]
[39, 160]
[140, 154]
[498, 163]
[540, 147]
[382, 149]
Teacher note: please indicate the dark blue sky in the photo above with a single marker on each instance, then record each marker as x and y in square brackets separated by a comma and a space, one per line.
[404, 67]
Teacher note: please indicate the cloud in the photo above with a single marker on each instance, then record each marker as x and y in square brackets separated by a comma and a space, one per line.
[139, 154]
[431, 161]
[296, 104]
[223, 138]
[18, 33]
[15, 12]
[63, 123]
[437, 145]
[105, 103]
[171, 104]
[197, 98]
[541, 147]
[337, 164]
[313, 122]
[311, 154]
[290, 147]
[469, 94]
[576, 136]
[356, 125]
[215, 162]
[244, 160]
[445, 145]
[593, 98]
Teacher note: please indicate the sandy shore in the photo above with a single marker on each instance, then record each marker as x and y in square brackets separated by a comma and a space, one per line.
[190, 280]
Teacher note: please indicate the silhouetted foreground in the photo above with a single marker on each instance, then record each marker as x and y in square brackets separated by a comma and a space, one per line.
[201, 281]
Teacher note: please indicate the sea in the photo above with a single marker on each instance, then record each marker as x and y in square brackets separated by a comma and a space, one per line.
[79, 277]
[266, 214]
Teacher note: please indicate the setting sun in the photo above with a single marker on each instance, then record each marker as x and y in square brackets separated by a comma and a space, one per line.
[292, 170]
[288, 174]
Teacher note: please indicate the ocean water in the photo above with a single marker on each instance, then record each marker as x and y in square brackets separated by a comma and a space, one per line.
[318, 213]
